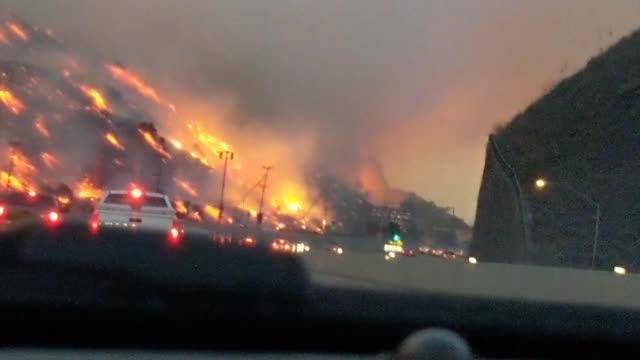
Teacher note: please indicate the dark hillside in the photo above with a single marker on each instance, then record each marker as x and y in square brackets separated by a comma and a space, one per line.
[583, 135]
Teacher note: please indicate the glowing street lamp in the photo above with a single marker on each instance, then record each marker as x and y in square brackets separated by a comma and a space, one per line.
[540, 183]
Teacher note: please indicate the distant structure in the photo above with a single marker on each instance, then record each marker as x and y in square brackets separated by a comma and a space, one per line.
[384, 215]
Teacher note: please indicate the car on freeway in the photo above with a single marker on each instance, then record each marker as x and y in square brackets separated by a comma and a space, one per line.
[248, 241]
[452, 254]
[136, 209]
[409, 252]
[424, 250]
[18, 206]
[335, 248]
[282, 245]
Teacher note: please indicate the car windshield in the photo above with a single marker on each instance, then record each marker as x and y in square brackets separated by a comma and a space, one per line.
[448, 146]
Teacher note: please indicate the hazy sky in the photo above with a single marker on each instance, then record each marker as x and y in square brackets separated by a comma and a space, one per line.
[417, 84]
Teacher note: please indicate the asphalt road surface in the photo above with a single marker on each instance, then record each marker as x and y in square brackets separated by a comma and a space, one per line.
[362, 264]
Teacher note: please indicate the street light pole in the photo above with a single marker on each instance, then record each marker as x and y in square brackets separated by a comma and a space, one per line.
[542, 183]
[264, 188]
[226, 155]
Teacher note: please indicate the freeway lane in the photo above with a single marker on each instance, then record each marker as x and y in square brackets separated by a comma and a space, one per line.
[364, 267]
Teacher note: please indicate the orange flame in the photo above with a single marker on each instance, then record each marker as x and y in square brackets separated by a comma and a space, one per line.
[154, 144]
[49, 160]
[195, 216]
[111, 139]
[207, 140]
[13, 182]
[130, 79]
[86, 190]
[18, 31]
[22, 171]
[180, 207]
[96, 98]
[10, 101]
[41, 127]
[21, 164]
[213, 212]
[186, 187]
[4, 39]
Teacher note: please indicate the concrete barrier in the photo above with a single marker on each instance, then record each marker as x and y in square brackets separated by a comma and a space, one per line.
[482, 279]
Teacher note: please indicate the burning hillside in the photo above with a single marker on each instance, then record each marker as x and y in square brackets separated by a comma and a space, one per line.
[75, 124]
[67, 122]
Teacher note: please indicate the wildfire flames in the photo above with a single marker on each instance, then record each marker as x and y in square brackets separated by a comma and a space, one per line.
[41, 127]
[180, 207]
[3, 38]
[151, 141]
[18, 31]
[131, 80]
[213, 212]
[9, 100]
[49, 160]
[86, 190]
[111, 139]
[67, 106]
[96, 98]
[186, 187]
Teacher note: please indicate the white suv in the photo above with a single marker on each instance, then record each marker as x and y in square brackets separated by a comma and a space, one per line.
[136, 209]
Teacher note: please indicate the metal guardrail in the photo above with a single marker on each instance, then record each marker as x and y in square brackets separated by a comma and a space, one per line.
[515, 182]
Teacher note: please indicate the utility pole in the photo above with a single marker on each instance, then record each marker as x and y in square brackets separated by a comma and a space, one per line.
[264, 188]
[226, 155]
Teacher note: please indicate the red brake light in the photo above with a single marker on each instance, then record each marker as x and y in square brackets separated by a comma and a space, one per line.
[136, 193]
[1, 210]
[32, 193]
[53, 216]
[94, 223]
[175, 232]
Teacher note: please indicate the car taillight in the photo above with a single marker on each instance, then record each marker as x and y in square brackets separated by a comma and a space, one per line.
[174, 233]
[53, 216]
[2, 210]
[94, 223]
[136, 193]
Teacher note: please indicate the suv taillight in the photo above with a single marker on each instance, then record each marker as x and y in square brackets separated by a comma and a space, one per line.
[53, 216]
[175, 232]
[94, 222]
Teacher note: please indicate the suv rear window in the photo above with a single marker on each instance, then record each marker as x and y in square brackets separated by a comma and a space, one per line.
[123, 199]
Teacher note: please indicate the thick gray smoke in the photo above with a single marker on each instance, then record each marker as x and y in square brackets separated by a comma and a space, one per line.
[416, 84]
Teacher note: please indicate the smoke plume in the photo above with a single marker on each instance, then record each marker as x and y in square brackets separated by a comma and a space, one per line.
[318, 85]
